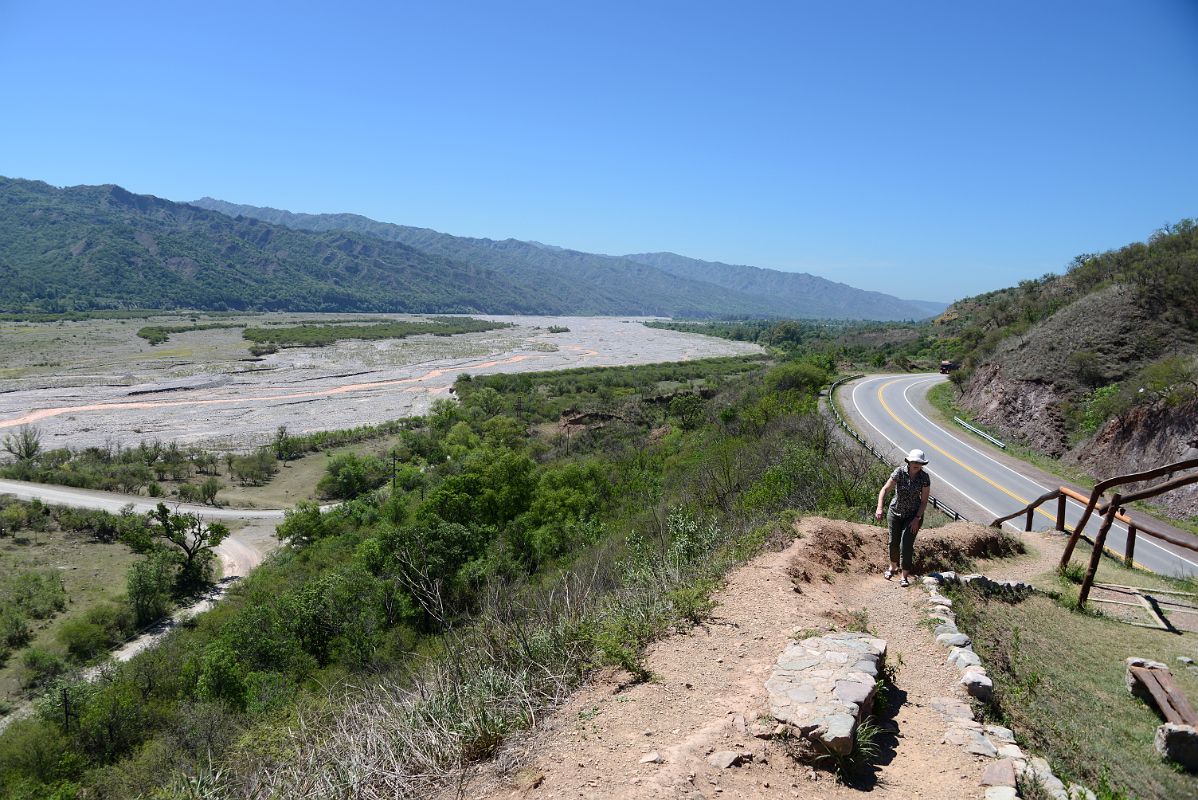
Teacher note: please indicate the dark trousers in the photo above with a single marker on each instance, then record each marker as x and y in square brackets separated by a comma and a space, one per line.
[902, 541]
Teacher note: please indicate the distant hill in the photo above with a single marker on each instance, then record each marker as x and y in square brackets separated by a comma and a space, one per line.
[826, 299]
[102, 247]
[688, 287]
[89, 247]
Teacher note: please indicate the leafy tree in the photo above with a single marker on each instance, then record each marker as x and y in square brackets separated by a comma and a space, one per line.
[348, 475]
[149, 585]
[195, 539]
[688, 410]
[796, 376]
[221, 676]
[24, 444]
[302, 525]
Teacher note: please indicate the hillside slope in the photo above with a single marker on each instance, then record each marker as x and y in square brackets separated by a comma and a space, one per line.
[828, 298]
[1097, 366]
[671, 284]
[103, 247]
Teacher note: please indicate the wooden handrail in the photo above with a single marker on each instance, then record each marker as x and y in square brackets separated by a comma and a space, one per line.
[1101, 487]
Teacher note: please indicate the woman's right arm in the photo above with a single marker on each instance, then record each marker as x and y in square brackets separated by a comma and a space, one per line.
[886, 487]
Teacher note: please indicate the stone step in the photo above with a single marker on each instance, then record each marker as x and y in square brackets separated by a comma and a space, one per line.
[823, 686]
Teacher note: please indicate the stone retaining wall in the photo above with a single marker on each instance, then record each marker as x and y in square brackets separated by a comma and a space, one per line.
[990, 741]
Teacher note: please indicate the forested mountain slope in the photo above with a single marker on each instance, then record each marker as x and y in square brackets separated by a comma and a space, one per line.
[586, 279]
[89, 247]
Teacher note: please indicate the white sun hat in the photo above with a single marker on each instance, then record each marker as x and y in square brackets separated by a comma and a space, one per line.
[916, 457]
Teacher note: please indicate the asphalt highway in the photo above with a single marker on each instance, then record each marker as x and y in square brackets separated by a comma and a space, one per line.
[975, 478]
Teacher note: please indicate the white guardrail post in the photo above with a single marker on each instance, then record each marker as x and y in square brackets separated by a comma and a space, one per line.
[844, 424]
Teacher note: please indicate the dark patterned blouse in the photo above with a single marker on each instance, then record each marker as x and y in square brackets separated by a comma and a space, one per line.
[907, 491]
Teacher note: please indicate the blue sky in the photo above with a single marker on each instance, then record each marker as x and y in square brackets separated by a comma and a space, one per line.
[926, 149]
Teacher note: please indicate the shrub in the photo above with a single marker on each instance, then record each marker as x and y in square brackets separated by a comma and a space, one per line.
[349, 475]
[14, 629]
[83, 640]
[41, 667]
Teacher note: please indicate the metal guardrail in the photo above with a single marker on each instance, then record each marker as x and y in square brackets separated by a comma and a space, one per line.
[979, 432]
[941, 507]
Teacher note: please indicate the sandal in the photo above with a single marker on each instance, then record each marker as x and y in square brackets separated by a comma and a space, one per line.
[904, 582]
[889, 573]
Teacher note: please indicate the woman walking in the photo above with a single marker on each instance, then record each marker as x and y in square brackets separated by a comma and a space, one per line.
[911, 488]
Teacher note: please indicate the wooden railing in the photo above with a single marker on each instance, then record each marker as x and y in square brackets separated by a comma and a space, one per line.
[1109, 512]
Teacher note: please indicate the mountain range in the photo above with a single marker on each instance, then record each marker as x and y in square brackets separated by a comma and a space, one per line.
[89, 247]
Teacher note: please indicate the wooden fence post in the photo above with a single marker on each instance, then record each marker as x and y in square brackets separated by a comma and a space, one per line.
[1028, 526]
[1096, 556]
[1061, 513]
[1129, 551]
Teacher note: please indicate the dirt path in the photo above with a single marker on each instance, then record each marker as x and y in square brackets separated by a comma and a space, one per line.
[710, 681]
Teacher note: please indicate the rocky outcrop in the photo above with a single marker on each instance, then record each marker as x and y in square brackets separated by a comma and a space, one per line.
[1025, 411]
[1142, 439]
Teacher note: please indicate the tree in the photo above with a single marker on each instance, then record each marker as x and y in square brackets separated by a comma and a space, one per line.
[195, 539]
[24, 444]
[149, 587]
[349, 475]
[284, 445]
[688, 409]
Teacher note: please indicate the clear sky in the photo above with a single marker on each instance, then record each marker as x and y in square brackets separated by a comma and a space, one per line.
[930, 150]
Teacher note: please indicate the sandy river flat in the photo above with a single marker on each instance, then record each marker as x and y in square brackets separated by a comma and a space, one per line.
[91, 383]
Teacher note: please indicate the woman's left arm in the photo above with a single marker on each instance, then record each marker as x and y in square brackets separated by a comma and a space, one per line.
[917, 523]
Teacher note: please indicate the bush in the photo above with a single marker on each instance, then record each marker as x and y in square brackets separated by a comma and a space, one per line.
[41, 667]
[14, 629]
[94, 633]
[349, 475]
[796, 376]
[83, 640]
[149, 588]
[39, 593]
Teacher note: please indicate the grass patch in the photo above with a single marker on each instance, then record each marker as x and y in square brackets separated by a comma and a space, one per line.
[324, 335]
[93, 573]
[296, 481]
[1058, 678]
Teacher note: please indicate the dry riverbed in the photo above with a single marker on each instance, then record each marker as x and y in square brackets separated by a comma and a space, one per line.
[94, 382]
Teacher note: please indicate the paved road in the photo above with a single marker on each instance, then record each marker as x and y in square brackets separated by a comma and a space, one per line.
[976, 479]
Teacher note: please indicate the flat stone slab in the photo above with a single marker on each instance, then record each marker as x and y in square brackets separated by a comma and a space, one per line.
[999, 773]
[823, 686]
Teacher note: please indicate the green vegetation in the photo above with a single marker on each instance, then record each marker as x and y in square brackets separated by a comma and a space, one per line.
[1058, 677]
[89, 248]
[507, 562]
[79, 316]
[49, 626]
[314, 335]
[157, 334]
[851, 344]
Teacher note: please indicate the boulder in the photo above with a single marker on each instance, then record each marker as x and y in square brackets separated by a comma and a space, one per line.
[1000, 773]
[953, 640]
[978, 685]
[1179, 744]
